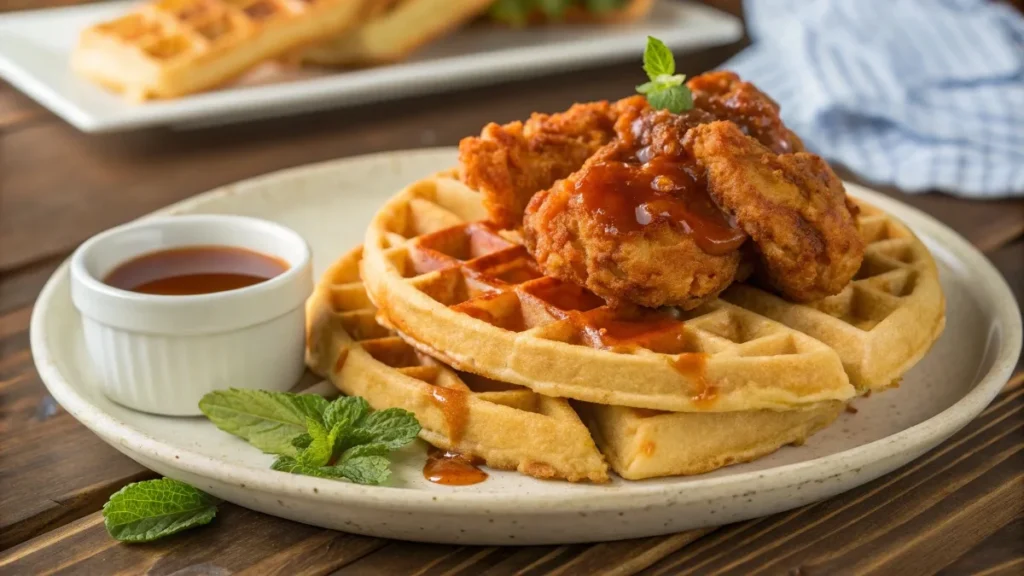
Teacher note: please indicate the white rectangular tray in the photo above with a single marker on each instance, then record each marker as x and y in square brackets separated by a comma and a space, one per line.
[35, 48]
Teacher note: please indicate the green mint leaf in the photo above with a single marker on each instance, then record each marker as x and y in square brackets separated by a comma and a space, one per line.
[602, 6]
[145, 511]
[647, 87]
[351, 408]
[658, 59]
[267, 420]
[513, 12]
[675, 99]
[668, 81]
[365, 469]
[321, 448]
[302, 441]
[363, 451]
[393, 427]
[293, 466]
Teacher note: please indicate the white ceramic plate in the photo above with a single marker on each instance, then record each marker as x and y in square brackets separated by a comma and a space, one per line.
[35, 48]
[330, 204]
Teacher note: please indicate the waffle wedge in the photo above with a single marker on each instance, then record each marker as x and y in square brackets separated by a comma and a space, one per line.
[885, 320]
[169, 48]
[473, 298]
[508, 427]
[395, 29]
[641, 443]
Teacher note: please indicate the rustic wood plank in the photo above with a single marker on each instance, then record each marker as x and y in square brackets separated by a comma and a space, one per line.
[1000, 553]
[237, 540]
[963, 490]
[16, 109]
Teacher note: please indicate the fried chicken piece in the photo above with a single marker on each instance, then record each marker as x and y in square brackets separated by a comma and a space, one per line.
[509, 164]
[726, 97]
[635, 224]
[792, 205]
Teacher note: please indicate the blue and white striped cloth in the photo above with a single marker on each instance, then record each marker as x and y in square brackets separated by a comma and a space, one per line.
[921, 94]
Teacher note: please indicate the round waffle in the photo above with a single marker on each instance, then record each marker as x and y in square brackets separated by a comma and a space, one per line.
[511, 427]
[471, 296]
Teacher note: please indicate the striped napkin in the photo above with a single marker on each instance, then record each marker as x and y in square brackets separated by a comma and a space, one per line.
[920, 94]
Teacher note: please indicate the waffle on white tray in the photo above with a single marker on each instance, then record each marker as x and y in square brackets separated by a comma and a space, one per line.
[472, 297]
[393, 30]
[513, 428]
[169, 48]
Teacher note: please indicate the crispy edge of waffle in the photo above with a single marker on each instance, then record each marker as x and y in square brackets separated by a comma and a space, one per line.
[774, 368]
[643, 444]
[510, 429]
[885, 320]
[114, 62]
[395, 32]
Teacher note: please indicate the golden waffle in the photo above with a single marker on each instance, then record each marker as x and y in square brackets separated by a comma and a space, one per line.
[508, 427]
[397, 28]
[473, 298]
[885, 320]
[169, 48]
[511, 427]
[641, 443]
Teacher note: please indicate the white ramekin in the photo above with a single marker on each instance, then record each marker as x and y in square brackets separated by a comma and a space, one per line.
[161, 354]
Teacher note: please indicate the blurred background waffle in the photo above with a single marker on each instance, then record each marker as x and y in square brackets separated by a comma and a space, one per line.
[203, 62]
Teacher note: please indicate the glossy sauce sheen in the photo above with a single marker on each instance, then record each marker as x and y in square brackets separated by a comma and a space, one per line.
[195, 270]
[628, 196]
[452, 468]
[693, 365]
[453, 406]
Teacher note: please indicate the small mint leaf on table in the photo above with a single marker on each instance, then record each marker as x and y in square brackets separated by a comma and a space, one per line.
[145, 511]
[267, 420]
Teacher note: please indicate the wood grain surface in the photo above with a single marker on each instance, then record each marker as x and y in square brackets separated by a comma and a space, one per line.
[957, 510]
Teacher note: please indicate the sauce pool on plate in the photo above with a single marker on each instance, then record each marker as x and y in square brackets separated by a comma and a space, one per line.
[195, 270]
[452, 468]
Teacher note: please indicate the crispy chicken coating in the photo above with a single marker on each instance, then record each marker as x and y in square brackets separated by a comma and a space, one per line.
[726, 97]
[635, 224]
[792, 205]
[510, 163]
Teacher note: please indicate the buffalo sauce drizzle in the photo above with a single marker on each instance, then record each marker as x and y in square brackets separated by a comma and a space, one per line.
[445, 466]
[627, 196]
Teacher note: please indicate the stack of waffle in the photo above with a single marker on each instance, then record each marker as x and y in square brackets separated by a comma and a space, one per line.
[170, 48]
[446, 317]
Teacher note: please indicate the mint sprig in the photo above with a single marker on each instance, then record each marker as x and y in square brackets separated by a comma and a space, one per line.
[145, 511]
[342, 439]
[267, 420]
[665, 89]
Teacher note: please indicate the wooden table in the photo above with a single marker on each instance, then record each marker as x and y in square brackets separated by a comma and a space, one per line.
[958, 509]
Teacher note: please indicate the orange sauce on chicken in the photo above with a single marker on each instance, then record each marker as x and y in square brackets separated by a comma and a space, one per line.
[626, 197]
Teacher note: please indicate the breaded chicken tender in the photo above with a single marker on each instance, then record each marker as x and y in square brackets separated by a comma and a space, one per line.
[793, 206]
[723, 95]
[635, 224]
[510, 163]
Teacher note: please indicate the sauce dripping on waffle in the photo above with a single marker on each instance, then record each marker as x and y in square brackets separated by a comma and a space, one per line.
[693, 365]
[452, 469]
[453, 406]
[628, 196]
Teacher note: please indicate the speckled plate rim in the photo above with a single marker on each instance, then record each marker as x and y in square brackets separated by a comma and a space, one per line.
[989, 289]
